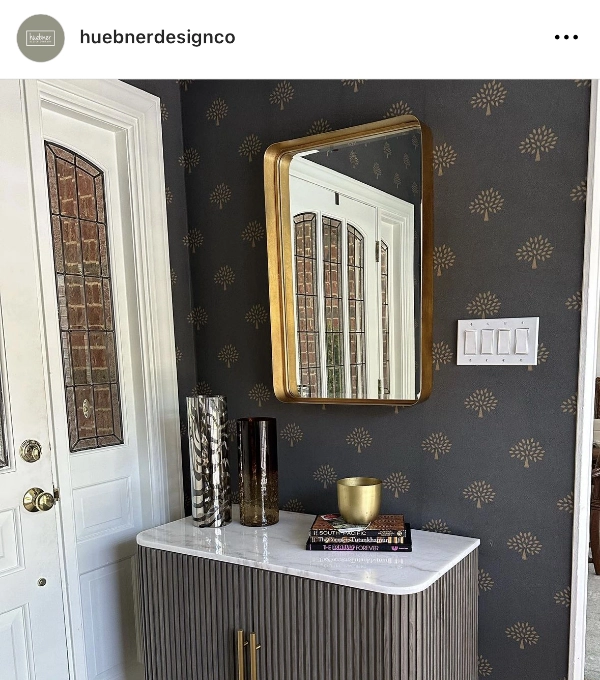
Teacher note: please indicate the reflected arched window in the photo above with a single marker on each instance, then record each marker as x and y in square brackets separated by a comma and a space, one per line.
[356, 312]
[305, 255]
[332, 293]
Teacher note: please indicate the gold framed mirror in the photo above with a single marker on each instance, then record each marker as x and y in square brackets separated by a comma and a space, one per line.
[349, 237]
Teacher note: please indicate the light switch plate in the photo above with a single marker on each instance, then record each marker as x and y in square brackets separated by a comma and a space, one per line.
[502, 335]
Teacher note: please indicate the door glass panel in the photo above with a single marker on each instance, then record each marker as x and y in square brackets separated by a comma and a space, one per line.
[305, 243]
[333, 301]
[356, 316]
[85, 306]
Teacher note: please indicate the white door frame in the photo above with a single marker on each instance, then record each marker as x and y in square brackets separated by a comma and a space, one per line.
[585, 399]
[136, 116]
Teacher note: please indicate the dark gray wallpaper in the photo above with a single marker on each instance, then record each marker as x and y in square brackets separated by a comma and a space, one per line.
[490, 454]
[392, 165]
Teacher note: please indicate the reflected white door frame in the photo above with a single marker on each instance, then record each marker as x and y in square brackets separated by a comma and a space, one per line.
[585, 400]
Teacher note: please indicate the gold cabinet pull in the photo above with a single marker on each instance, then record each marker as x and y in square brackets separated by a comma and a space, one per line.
[241, 643]
[253, 659]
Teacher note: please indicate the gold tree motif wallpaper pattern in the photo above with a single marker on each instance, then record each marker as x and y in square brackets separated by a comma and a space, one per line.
[475, 152]
[443, 258]
[579, 193]
[326, 475]
[193, 239]
[292, 433]
[535, 249]
[441, 354]
[539, 141]
[527, 450]
[443, 157]
[354, 84]
[488, 202]
[490, 95]
[397, 483]
[437, 443]
[484, 304]
[484, 581]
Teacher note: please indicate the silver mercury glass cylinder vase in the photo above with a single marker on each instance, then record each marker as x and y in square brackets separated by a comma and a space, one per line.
[209, 460]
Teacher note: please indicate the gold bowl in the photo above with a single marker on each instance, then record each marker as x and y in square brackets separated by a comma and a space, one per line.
[359, 499]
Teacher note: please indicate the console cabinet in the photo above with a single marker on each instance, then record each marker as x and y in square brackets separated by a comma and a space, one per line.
[195, 602]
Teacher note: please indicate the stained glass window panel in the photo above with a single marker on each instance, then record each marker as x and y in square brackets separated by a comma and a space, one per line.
[84, 291]
[356, 315]
[305, 254]
[332, 288]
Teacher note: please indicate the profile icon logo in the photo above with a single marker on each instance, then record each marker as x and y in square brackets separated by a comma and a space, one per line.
[40, 38]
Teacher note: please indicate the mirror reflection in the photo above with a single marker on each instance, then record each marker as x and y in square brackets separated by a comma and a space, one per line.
[352, 243]
[353, 234]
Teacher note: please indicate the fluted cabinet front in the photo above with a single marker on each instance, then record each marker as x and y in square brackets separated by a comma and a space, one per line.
[192, 609]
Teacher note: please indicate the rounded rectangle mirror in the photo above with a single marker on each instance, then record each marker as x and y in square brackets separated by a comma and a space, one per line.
[349, 227]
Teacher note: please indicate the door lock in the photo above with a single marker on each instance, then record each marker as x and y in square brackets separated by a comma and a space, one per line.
[36, 499]
[31, 451]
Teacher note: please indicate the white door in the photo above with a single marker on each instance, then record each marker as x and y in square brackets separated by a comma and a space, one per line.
[96, 384]
[32, 621]
[88, 370]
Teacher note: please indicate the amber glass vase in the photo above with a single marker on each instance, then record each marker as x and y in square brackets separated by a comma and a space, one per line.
[257, 450]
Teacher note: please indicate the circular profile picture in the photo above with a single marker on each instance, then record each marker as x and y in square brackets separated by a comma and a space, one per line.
[40, 37]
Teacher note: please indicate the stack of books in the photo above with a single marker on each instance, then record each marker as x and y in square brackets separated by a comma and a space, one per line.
[387, 533]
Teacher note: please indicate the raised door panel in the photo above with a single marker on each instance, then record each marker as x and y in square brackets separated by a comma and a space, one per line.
[111, 641]
[15, 650]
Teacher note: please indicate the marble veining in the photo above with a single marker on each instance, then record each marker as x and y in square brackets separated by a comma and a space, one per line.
[281, 548]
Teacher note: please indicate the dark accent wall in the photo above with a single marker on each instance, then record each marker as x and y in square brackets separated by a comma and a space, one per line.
[392, 165]
[491, 453]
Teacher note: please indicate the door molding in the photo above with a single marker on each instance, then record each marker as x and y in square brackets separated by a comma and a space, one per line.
[585, 399]
[135, 115]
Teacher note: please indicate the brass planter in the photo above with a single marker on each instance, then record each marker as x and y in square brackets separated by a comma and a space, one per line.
[359, 499]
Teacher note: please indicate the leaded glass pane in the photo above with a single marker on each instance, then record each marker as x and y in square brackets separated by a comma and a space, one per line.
[356, 309]
[85, 310]
[305, 254]
[332, 289]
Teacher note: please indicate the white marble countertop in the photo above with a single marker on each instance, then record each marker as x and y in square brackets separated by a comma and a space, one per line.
[281, 548]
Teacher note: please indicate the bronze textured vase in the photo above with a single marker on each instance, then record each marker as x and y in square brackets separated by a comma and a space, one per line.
[257, 451]
[209, 461]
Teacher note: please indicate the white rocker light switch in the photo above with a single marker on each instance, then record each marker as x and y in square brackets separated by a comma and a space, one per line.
[522, 337]
[470, 342]
[487, 341]
[498, 342]
[503, 341]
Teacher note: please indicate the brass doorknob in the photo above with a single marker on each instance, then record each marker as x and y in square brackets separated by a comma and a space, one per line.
[31, 451]
[37, 499]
